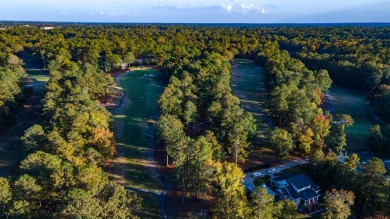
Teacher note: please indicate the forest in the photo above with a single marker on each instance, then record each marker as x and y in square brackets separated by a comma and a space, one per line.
[206, 134]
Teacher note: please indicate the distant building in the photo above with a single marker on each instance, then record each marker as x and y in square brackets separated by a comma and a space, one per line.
[47, 28]
[298, 188]
[2, 28]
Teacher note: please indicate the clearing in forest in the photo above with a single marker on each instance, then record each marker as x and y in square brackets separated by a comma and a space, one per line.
[11, 150]
[134, 165]
[354, 103]
[135, 138]
[248, 84]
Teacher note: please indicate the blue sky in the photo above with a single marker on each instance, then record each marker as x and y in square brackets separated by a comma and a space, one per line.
[191, 11]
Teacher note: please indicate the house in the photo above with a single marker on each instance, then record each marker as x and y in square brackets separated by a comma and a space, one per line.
[299, 188]
[47, 28]
[123, 65]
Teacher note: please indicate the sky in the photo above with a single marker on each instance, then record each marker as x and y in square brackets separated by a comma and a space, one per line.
[196, 11]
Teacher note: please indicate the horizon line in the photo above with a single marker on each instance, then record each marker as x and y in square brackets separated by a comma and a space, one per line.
[133, 22]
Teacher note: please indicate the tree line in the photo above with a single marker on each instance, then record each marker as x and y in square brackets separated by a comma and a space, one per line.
[356, 57]
[62, 174]
[202, 124]
[12, 78]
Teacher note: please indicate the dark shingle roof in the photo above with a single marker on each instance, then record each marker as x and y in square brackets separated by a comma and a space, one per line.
[283, 176]
[308, 194]
[292, 192]
[300, 181]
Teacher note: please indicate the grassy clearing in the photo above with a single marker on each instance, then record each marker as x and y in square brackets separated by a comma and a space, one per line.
[37, 76]
[134, 164]
[248, 84]
[11, 149]
[352, 102]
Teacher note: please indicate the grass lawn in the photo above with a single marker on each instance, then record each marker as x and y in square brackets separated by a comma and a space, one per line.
[248, 85]
[133, 165]
[353, 102]
[38, 76]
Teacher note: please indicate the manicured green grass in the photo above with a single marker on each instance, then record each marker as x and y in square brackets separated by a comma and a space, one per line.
[248, 84]
[352, 102]
[133, 134]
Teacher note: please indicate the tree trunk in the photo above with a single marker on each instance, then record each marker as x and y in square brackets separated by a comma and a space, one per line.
[182, 191]
[167, 157]
[236, 151]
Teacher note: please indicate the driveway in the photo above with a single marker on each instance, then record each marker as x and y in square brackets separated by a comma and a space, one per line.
[248, 180]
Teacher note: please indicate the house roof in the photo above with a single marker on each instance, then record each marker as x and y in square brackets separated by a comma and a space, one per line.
[270, 191]
[281, 183]
[283, 176]
[282, 191]
[300, 181]
[308, 194]
[294, 194]
[387, 164]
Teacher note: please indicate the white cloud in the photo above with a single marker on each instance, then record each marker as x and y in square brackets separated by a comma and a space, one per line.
[228, 8]
[251, 8]
[111, 13]
[235, 8]
[244, 8]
